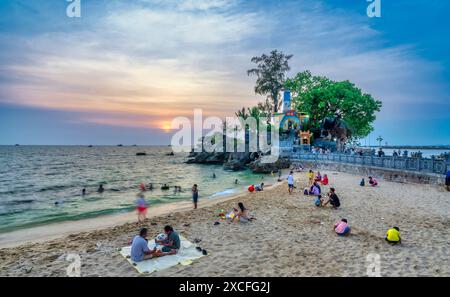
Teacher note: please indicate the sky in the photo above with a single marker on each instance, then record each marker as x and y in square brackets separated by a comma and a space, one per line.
[122, 71]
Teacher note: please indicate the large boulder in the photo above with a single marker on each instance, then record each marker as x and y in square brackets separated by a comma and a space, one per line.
[259, 167]
[207, 158]
[237, 161]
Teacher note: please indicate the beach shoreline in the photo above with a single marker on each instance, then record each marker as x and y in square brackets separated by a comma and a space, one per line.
[291, 237]
[52, 231]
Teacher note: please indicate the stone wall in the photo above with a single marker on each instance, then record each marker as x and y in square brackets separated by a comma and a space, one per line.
[384, 173]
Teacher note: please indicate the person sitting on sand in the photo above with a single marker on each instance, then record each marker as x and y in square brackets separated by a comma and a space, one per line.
[393, 235]
[333, 199]
[447, 180]
[319, 201]
[100, 189]
[171, 245]
[311, 177]
[259, 188]
[342, 228]
[373, 182]
[314, 190]
[362, 183]
[242, 215]
[139, 247]
[318, 177]
[325, 180]
[141, 207]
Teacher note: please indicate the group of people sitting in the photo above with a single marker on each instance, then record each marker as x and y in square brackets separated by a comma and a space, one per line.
[167, 243]
[318, 178]
[332, 199]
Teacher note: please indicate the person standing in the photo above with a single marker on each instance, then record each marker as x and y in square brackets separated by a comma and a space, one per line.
[290, 180]
[195, 195]
[141, 207]
[447, 180]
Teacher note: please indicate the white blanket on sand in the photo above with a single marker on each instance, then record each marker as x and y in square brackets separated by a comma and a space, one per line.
[185, 255]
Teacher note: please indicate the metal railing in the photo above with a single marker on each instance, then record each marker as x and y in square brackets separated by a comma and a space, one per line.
[422, 165]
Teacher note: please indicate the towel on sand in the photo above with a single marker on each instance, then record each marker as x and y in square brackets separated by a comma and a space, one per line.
[185, 255]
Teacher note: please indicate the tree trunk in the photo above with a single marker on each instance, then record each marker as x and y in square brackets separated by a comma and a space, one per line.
[275, 102]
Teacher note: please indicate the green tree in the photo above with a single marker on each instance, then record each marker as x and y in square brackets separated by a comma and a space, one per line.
[321, 97]
[270, 71]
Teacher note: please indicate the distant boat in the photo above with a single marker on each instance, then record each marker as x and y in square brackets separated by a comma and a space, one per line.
[134, 144]
[141, 154]
[90, 146]
[17, 144]
[120, 145]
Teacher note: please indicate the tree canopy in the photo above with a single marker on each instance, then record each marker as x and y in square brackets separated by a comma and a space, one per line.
[270, 71]
[323, 98]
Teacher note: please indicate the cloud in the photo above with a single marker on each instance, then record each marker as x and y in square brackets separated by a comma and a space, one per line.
[155, 59]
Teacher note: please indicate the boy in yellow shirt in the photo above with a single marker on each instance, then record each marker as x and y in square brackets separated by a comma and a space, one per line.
[393, 235]
[311, 177]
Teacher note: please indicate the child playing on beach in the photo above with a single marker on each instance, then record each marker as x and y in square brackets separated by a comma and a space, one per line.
[195, 195]
[342, 228]
[362, 183]
[242, 215]
[311, 177]
[373, 182]
[325, 180]
[290, 180]
[141, 208]
[260, 187]
[393, 235]
[318, 177]
[318, 202]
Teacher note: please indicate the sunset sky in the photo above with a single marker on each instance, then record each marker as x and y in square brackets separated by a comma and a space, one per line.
[122, 71]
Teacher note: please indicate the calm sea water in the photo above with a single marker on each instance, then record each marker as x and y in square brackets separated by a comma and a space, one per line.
[33, 178]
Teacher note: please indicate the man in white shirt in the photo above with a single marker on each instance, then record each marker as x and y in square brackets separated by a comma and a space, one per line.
[290, 180]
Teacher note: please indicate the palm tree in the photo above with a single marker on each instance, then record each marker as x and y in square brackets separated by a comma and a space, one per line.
[270, 71]
[380, 140]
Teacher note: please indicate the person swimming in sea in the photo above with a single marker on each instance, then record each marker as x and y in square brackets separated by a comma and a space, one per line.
[100, 189]
[236, 181]
[83, 192]
[214, 175]
[165, 187]
[150, 187]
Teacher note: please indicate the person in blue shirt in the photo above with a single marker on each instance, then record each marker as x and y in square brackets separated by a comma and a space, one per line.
[447, 181]
[139, 247]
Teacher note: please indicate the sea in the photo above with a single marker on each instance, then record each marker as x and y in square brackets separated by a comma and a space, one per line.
[43, 184]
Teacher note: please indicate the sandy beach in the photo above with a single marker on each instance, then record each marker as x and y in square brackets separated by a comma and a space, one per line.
[291, 237]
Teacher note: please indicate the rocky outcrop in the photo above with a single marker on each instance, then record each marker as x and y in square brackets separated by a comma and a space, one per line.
[259, 167]
[237, 161]
[207, 158]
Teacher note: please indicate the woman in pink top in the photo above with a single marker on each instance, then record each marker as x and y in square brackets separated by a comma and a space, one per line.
[342, 228]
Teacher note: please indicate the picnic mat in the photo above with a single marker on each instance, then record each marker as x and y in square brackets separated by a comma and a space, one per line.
[185, 256]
